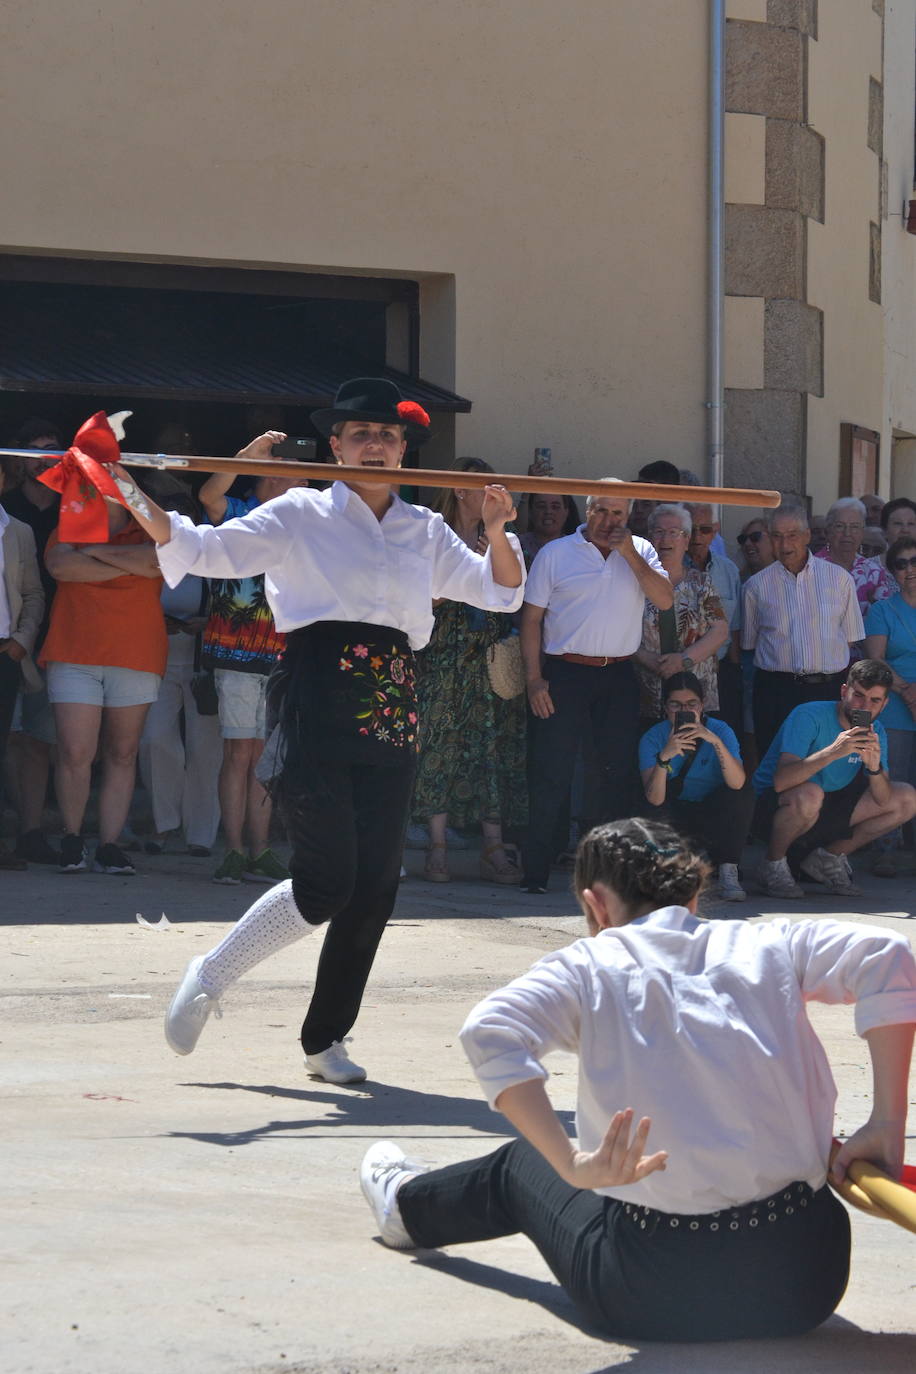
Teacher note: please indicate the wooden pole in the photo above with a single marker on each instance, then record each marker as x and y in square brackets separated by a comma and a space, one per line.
[436, 477]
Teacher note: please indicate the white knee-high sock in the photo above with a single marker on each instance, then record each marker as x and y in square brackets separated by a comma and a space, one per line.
[272, 923]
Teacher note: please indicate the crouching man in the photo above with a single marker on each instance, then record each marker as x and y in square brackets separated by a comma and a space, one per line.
[823, 786]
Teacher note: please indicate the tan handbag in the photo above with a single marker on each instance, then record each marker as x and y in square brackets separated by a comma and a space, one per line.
[505, 667]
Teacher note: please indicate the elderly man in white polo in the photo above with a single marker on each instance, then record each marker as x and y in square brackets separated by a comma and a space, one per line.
[581, 625]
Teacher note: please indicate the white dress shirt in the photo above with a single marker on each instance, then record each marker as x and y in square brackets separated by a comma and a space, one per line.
[701, 1026]
[593, 605]
[325, 556]
[801, 623]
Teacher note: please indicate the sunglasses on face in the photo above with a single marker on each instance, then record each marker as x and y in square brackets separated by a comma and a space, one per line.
[901, 564]
[704, 529]
[755, 537]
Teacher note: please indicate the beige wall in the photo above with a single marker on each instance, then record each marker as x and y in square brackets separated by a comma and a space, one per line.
[545, 166]
[847, 51]
[899, 253]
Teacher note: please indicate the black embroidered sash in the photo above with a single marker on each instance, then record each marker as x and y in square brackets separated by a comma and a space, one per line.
[343, 691]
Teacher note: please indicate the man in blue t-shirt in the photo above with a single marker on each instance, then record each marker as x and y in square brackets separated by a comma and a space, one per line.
[824, 787]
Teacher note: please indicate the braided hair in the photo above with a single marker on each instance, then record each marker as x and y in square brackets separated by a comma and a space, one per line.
[645, 862]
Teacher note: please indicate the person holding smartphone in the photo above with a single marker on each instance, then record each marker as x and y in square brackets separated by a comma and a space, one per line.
[691, 769]
[823, 788]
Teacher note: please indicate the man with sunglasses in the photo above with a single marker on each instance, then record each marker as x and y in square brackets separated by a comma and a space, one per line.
[823, 786]
[726, 579]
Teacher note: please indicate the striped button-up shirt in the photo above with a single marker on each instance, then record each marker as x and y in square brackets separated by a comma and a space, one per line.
[801, 623]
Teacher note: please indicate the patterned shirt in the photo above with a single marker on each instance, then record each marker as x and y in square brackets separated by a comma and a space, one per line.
[801, 623]
[696, 610]
[873, 581]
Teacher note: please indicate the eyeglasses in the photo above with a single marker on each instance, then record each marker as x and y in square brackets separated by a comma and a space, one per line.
[857, 528]
[755, 537]
[704, 529]
[901, 564]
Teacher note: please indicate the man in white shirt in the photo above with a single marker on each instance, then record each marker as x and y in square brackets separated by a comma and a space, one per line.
[581, 625]
[801, 618]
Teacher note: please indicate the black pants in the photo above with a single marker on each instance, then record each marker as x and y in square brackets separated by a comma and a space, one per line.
[635, 1274]
[776, 694]
[606, 700]
[9, 687]
[719, 824]
[347, 832]
[731, 695]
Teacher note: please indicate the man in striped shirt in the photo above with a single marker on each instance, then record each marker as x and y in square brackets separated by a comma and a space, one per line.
[801, 616]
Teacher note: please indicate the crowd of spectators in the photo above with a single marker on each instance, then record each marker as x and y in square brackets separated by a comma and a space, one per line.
[734, 699]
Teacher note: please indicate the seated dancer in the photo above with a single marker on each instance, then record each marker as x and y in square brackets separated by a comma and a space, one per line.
[350, 575]
[698, 1030]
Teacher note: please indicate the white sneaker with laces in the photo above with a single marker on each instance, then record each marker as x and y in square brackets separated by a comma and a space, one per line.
[334, 1064]
[187, 1015]
[834, 871]
[384, 1168]
[775, 877]
[730, 890]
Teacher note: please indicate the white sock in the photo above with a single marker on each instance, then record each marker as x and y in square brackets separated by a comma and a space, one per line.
[272, 923]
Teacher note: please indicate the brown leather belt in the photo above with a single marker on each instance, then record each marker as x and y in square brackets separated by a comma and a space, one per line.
[591, 662]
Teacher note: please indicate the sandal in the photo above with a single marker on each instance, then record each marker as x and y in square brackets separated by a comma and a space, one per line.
[436, 871]
[507, 873]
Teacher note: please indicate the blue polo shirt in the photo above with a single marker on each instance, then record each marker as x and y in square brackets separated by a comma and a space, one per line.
[705, 772]
[809, 728]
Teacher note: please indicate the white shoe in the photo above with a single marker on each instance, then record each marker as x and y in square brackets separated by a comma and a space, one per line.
[730, 890]
[774, 877]
[334, 1065]
[187, 1015]
[384, 1168]
[834, 871]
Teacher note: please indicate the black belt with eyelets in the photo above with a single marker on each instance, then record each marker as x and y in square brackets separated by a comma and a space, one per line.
[751, 1216]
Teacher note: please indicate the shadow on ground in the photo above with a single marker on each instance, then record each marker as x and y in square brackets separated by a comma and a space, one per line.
[367, 1108]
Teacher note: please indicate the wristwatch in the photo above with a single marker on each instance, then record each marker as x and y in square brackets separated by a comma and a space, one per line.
[687, 663]
[663, 763]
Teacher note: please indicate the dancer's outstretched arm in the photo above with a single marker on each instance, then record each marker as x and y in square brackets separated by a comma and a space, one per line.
[881, 1140]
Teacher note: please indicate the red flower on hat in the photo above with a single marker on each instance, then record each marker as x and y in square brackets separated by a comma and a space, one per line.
[411, 413]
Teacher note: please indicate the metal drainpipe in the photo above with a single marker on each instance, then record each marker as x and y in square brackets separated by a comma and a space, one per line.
[716, 250]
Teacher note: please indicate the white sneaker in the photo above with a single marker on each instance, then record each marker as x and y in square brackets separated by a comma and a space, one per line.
[775, 878]
[730, 890]
[334, 1065]
[384, 1168]
[834, 871]
[187, 1015]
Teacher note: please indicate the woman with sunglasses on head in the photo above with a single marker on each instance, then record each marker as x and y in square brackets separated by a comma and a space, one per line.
[698, 1032]
[692, 773]
[890, 634]
[756, 546]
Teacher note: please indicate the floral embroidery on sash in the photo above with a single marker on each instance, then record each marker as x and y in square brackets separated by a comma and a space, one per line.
[383, 690]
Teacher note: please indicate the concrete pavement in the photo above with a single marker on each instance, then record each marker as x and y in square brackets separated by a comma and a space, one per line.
[204, 1214]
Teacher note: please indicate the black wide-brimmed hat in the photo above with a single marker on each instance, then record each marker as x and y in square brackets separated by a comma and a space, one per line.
[377, 399]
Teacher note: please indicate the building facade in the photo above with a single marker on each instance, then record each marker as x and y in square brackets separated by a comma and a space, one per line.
[522, 192]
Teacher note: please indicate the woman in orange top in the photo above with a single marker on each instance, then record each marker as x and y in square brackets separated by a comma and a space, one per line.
[106, 651]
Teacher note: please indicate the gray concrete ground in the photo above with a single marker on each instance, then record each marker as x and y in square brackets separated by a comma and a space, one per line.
[204, 1214]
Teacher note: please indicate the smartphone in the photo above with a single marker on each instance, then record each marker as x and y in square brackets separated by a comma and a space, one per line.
[860, 720]
[296, 450]
[682, 718]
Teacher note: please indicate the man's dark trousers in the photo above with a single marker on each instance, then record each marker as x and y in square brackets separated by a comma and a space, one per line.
[608, 699]
[776, 694]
